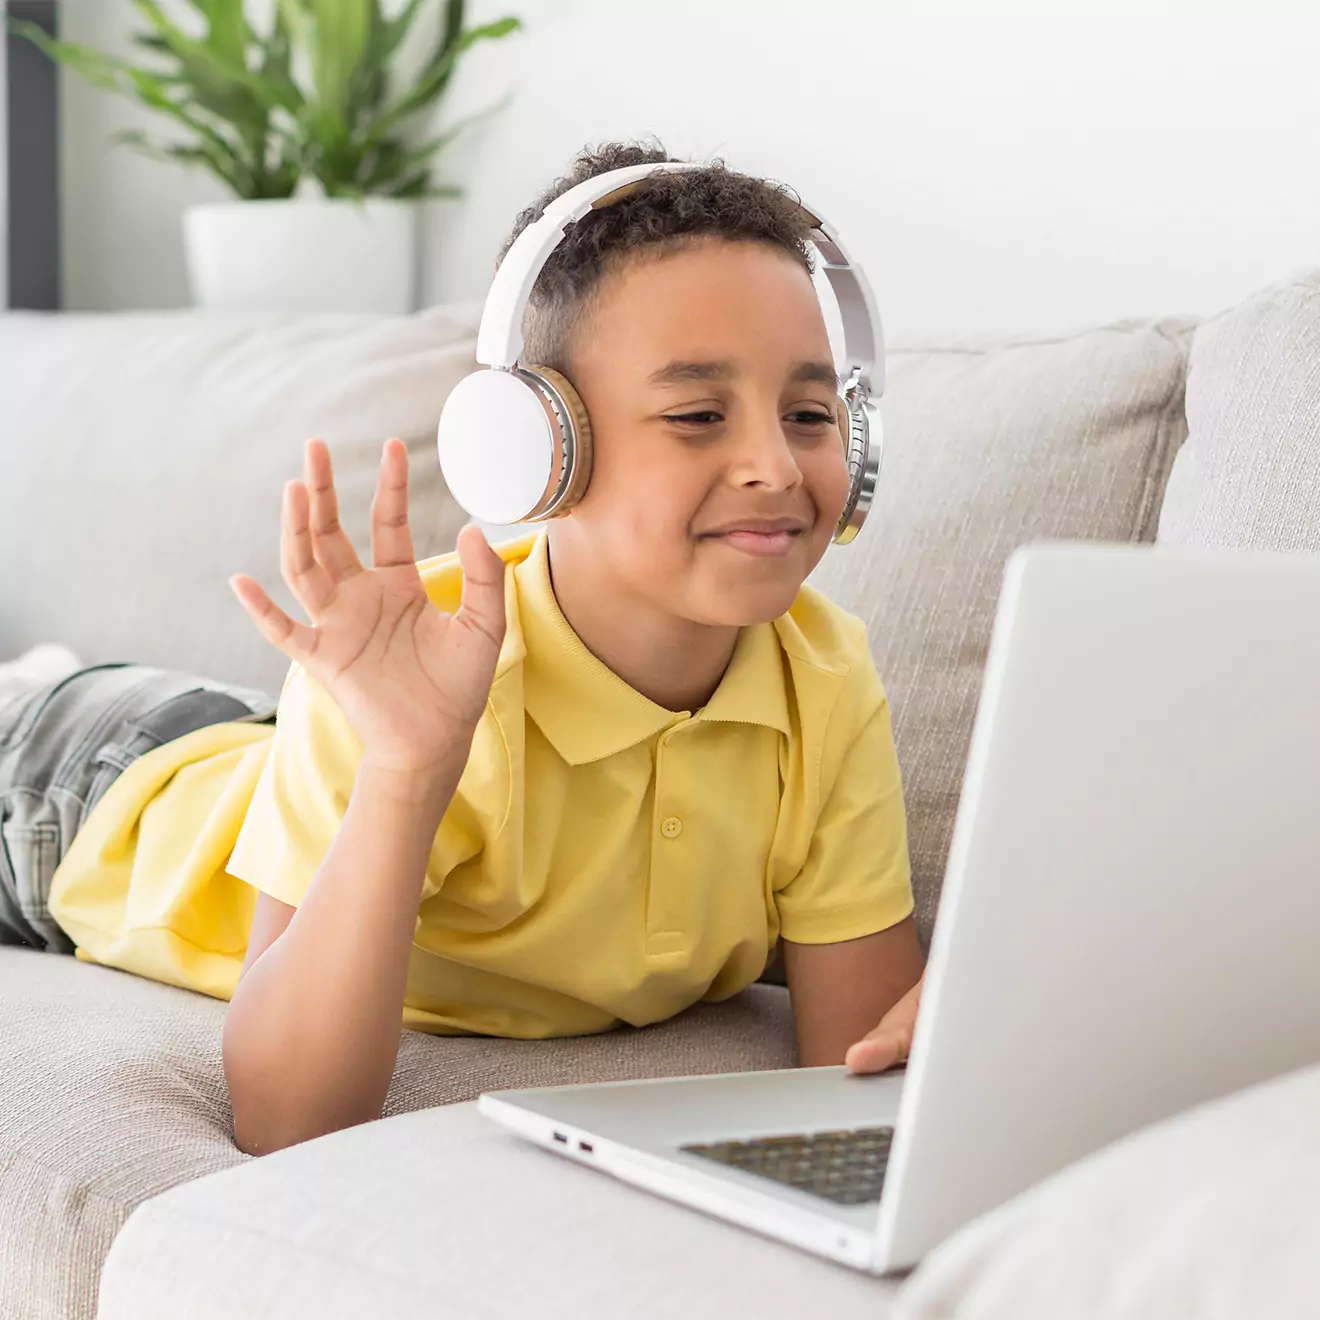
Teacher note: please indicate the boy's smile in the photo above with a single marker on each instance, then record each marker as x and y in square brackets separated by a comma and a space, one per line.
[754, 536]
[719, 471]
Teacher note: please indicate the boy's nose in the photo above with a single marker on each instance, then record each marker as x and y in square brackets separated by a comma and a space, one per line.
[764, 458]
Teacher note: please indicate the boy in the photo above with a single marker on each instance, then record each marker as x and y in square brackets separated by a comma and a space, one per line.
[587, 780]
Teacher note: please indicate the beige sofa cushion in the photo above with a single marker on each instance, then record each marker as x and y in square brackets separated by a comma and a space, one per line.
[444, 1214]
[990, 444]
[111, 1091]
[1249, 474]
[1210, 1215]
[155, 447]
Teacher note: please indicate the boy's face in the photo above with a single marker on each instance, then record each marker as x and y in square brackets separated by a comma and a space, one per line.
[719, 472]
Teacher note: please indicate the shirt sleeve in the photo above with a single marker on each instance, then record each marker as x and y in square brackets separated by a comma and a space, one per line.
[302, 794]
[857, 878]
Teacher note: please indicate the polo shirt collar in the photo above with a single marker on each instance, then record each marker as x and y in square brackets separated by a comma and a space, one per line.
[588, 712]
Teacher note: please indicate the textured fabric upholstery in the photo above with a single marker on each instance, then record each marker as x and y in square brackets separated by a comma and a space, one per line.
[443, 1214]
[158, 444]
[110, 1087]
[990, 444]
[1249, 474]
[111, 1091]
[1211, 1214]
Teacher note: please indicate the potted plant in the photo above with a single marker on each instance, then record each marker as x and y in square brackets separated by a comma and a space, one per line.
[300, 121]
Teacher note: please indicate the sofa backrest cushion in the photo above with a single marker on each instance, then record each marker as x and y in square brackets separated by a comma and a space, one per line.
[1249, 474]
[990, 444]
[144, 455]
[143, 458]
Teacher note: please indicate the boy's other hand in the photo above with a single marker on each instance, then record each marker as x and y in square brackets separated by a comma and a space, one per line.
[411, 680]
[891, 1041]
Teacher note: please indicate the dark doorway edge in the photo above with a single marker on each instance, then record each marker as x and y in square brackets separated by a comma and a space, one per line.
[32, 116]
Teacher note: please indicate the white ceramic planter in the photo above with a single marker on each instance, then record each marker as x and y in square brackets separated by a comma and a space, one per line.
[303, 255]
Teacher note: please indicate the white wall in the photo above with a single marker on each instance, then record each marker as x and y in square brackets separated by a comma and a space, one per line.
[1008, 172]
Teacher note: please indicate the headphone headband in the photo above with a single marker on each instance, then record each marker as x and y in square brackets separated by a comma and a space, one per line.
[500, 338]
[515, 442]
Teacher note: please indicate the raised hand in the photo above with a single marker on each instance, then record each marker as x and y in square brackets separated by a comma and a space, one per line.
[411, 680]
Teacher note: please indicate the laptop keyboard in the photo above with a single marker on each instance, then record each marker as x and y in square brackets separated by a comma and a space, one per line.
[847, 1167]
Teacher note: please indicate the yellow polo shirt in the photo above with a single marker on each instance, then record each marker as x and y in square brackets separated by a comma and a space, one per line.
[603, 860]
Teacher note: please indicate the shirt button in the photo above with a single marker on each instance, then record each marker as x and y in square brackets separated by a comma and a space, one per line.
[671, 827]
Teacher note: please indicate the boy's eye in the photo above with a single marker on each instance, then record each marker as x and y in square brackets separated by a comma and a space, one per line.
[707, 416]
[703, 418]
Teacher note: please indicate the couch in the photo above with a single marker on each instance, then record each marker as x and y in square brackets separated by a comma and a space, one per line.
[141, 462]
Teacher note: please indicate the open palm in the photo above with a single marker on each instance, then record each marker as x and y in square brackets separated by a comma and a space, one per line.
[411, 680]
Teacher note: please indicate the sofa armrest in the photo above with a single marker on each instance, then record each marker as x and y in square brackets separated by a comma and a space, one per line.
[443, 1213]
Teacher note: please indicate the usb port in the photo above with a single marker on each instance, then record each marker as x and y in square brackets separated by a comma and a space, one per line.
[587, 1146]
[561, 1138]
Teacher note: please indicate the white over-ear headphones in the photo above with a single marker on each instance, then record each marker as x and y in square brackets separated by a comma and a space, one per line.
[515, 441]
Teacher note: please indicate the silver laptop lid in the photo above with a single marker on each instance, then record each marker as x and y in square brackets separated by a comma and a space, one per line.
[1130, 922]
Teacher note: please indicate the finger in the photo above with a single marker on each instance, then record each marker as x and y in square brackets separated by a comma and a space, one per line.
[296, 640]
[329, 540]
[875, 1053]
[482, 607]
[391, 538]
[891, 1041]
[312, 586]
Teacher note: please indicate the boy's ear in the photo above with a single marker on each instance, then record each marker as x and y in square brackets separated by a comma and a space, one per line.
[842, 421]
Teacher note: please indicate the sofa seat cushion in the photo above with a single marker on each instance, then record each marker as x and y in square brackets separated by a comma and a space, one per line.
[444, 1214]
[990, 443]
[1209, 1215]
[112, 1091]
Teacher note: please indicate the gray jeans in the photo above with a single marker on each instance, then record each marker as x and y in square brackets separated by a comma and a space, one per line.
[62, 745]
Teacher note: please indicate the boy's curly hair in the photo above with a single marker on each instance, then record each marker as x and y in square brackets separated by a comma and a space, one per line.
[709, 201]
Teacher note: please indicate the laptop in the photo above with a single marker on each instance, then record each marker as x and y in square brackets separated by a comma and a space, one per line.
[1129, 924]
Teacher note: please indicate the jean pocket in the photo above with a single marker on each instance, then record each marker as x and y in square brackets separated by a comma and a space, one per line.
[33, 852]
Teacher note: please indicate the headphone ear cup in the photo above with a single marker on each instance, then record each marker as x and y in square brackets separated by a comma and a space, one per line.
[499, 445]
[860, 429]
[583, 453]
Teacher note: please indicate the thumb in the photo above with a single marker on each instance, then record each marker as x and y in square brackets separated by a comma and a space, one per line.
[482, 606]
[891, 1041]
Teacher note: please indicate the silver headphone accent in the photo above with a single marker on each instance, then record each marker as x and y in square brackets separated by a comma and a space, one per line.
[566, 431]
[865, 453]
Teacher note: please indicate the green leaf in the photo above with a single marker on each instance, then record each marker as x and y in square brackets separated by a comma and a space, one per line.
[435, 77]
[153, 93]
[393, 160]
[340, 41]
[277, 54]
[217, 76]
[453, 24]
[298, 21]
[367, 90]
[150, 41]
[220, 165]
[227, 27]
[420, 186]
[395, 31]
[99, 69]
